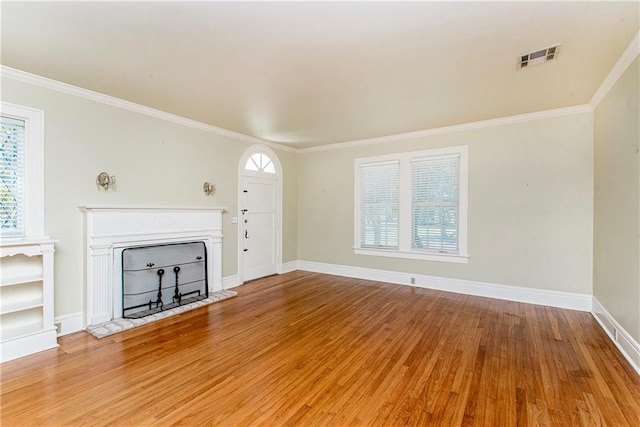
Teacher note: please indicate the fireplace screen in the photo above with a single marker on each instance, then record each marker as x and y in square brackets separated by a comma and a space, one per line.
[161, 277]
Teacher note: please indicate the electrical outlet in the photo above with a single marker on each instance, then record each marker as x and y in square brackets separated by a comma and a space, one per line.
[413, 280]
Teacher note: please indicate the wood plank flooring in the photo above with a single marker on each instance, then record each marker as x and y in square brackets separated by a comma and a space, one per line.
[306, 349]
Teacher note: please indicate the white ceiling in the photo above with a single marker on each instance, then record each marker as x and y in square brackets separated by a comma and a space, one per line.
[306, 74]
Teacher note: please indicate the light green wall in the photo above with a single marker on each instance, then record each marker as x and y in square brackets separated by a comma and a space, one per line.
[289, 163]
[530, 205]
[156, 163]
[617, 201]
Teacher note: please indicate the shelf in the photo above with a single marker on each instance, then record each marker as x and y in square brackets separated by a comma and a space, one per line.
[20, 306]
[21, 246]
[20, 268]
[13, 281]
[21, 297]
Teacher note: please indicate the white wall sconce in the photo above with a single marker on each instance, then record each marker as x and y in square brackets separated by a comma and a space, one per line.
[105, 180]
[209, 188]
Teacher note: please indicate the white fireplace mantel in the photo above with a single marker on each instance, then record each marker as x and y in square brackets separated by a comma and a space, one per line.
[110, 229]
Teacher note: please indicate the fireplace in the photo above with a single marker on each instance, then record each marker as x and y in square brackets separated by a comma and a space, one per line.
[111, 231]
[161, 277]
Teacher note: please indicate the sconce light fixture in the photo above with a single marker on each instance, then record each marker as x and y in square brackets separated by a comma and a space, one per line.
[209, 188]
[105, 180]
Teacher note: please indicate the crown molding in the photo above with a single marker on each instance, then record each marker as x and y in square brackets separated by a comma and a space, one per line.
[44, 82]
[66, 88]
[627, 57]
[558, 112]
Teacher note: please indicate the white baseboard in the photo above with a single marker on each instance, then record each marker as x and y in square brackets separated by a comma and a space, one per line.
[69, 323]
[288, 267]
[629, 347]
[581, 302]
[28, 344]
[229, 282]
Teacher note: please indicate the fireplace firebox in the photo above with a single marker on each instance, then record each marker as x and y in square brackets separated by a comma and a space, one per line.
[161, 277]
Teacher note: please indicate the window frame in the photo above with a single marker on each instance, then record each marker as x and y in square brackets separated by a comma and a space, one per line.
[405, 249]
[261, 168]
[33, 203]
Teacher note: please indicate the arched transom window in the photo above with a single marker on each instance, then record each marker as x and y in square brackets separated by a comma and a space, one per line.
[260, 162]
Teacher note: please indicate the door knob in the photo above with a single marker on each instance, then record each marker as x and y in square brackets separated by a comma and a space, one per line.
[246, 234]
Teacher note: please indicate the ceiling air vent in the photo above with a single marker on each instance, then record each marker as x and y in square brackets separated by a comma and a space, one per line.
[537, 57]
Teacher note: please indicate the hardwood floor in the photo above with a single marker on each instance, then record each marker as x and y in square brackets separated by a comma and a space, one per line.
[311, 349]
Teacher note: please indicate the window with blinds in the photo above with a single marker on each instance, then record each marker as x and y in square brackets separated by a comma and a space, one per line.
[434, 203]
[379, 191]
[12, 177]
[412, 205]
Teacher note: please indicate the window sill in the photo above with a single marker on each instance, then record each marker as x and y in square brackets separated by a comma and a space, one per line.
[459, 259]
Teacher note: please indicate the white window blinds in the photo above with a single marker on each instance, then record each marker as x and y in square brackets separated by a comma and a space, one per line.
[379, 192]
[434, 207]
[12, 177]
[412, 205]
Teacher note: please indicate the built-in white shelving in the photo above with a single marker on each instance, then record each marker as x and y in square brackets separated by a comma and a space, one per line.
[26, 297]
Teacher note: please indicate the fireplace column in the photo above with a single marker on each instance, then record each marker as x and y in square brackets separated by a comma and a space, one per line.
[100, 287]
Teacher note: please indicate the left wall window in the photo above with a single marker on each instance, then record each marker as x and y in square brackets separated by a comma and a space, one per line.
[21, 172]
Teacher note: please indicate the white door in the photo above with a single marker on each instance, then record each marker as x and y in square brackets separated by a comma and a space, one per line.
[259, 216]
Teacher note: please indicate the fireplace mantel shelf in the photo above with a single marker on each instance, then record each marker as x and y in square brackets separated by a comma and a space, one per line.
[158, 208]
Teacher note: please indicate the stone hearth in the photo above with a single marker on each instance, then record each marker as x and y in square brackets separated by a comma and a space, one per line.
[119, 325]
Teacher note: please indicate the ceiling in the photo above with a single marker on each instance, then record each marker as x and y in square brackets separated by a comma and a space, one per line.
[306, 74]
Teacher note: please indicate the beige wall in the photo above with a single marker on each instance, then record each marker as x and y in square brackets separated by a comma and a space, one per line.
[617, 201]
[156, 163]
[530, 205]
